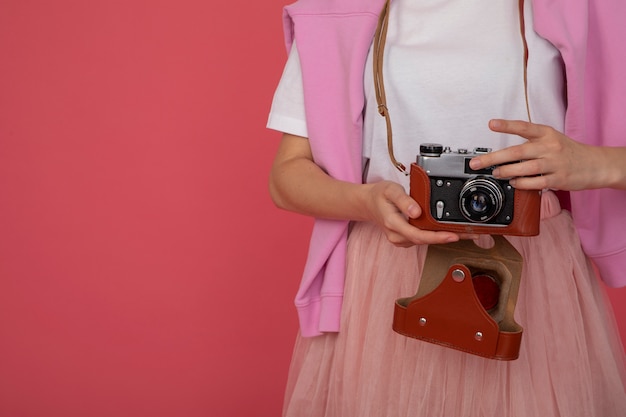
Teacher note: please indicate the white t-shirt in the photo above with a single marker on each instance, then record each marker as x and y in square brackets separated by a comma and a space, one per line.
[450, 67]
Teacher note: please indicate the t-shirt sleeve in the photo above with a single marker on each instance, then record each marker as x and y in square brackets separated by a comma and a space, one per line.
[287, 113]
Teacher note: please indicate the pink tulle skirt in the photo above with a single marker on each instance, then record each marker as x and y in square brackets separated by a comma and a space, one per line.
[571, 360]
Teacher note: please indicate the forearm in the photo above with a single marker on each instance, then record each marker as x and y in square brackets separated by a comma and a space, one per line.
[299, 185]
[611, 167]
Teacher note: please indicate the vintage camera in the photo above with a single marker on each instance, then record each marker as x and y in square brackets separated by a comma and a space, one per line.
[456, 198]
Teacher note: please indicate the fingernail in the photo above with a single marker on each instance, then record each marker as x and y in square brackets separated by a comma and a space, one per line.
[496, 172]
[474, 163]
[495, 124]
[413, 211]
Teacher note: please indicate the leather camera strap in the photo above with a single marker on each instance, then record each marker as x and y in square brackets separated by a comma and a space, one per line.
[380, 38]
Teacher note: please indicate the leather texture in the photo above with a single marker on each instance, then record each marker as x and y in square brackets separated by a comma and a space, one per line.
[446, 310]
[526, 211]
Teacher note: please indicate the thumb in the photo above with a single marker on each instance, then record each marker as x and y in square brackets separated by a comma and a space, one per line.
[413, 210]
[405, 203]
[396, 194]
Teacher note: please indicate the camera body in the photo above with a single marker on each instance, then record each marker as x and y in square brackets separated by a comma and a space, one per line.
[456, 198]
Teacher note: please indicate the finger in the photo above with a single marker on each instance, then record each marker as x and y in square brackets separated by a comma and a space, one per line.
[407, 205]
[530, 167]
[398, 230]
[420, 237]
[398, 240]
[512, 153]
[469, 236]
[484, 241]
[526, 130]
[521, 128]
[504, 156]
[535, 149]
[534, 183]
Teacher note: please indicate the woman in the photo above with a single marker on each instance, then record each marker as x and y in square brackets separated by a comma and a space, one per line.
[455, 73]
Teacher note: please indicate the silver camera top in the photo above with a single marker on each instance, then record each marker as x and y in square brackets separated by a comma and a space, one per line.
[440, 161]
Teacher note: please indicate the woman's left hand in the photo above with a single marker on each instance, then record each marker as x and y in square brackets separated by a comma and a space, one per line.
[550, 159]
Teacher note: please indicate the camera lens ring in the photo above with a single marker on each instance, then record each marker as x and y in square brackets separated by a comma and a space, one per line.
[481, 199]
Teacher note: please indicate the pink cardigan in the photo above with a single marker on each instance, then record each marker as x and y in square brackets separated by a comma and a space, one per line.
[333, 39]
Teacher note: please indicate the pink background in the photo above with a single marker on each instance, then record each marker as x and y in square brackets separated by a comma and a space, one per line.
[143, 269]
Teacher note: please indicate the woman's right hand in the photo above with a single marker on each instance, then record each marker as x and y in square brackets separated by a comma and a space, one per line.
[389, 207]
[298, 184]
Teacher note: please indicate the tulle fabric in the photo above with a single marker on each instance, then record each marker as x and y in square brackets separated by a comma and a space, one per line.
[571, 360]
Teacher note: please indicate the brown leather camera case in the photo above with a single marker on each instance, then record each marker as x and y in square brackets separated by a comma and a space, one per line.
[446, 309]
[526, 209]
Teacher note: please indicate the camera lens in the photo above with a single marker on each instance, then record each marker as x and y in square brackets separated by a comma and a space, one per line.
[479, 202]
[481, 199]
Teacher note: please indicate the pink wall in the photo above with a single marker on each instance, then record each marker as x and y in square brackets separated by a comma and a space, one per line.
[143, 269]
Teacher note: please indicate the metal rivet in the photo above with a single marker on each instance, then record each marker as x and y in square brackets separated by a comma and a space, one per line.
[423, 321]
[478, 336]
[458, 275]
